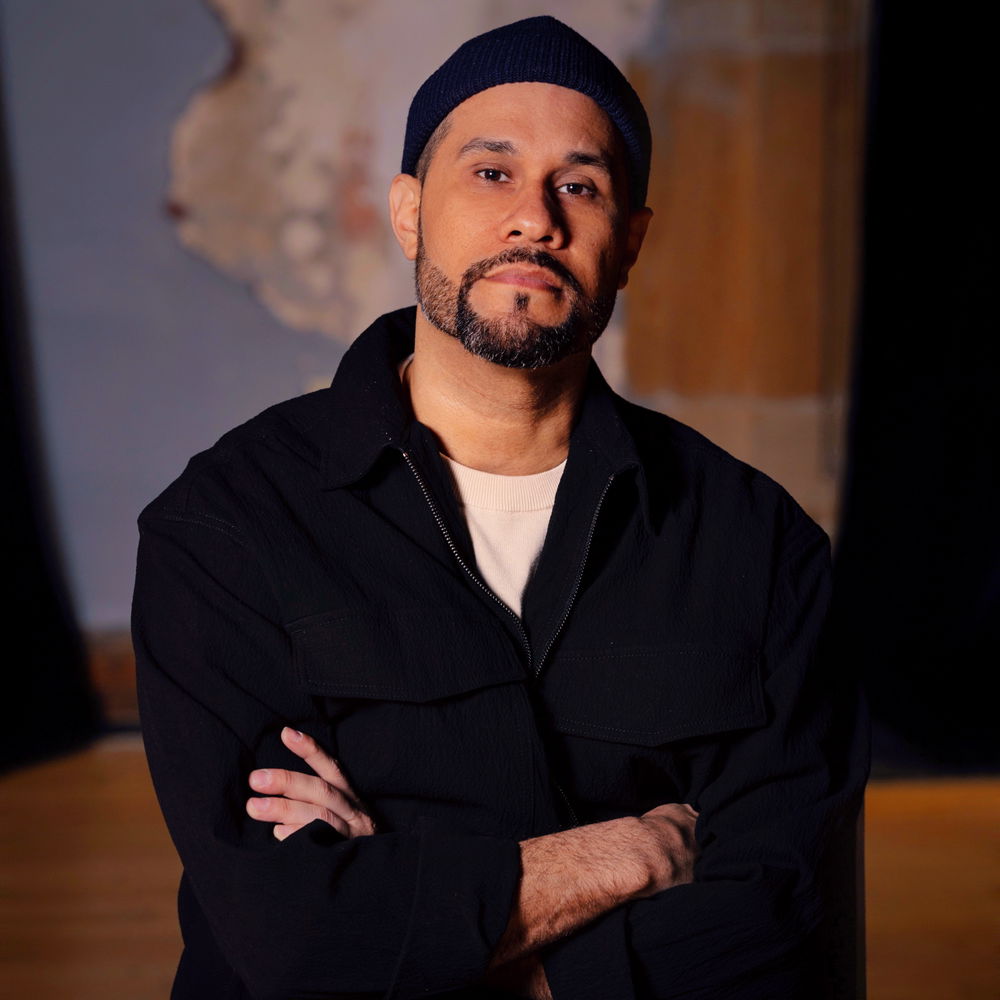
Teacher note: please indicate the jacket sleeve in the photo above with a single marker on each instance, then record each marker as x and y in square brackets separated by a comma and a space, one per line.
[401, 913]
[772, 802]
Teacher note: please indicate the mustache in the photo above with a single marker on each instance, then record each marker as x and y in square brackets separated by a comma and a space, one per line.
[520, 255]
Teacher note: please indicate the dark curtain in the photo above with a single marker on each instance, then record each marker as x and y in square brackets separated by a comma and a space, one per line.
[918, 560]
[49, 707]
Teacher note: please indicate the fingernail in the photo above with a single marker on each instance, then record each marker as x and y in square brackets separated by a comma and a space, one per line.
[295, 734]
[259, 805]
[260, 779]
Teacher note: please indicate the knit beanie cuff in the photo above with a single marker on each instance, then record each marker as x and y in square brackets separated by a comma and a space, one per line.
[534, 50]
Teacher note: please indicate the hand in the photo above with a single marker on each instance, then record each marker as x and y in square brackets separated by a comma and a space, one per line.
[296, 799]
[674, 848]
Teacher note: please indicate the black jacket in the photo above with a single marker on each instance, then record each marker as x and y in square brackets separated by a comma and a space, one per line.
[313, 569]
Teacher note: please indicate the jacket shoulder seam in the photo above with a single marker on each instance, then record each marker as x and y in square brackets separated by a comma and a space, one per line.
[206, 520]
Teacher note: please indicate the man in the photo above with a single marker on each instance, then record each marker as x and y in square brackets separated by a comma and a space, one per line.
[522, 681]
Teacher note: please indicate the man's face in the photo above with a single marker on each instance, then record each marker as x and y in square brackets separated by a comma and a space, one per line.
[523, 232]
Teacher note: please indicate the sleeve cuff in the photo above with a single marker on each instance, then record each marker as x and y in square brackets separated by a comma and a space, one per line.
[465, 889]
[593, 963]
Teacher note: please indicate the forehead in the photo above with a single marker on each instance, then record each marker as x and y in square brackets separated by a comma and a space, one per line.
[537, 118]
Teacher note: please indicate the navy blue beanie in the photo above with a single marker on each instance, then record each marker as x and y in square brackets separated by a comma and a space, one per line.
[535, 50]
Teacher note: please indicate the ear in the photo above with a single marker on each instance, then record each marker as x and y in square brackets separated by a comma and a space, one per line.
[404, 212]
[638, 222]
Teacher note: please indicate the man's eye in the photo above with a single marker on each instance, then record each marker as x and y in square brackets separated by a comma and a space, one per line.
[492, 174]
[576, 188]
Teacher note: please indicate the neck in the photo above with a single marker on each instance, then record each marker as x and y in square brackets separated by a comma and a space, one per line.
[510, 421]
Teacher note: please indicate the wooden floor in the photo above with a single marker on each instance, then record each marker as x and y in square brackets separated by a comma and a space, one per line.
[933, 889]
[88, 875]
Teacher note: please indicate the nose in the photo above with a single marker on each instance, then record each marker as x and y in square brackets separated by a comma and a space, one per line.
[535, 218]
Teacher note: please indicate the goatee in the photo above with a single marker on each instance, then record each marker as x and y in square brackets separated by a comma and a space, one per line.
[514, 340]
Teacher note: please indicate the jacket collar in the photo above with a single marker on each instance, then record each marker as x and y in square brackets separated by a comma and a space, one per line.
[371, 414]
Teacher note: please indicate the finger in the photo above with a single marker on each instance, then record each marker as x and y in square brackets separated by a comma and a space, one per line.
[304, 746]
[294, 785]
[310, 790]
[674, 810]
[288, 812]
[284, 830]
[340, 798]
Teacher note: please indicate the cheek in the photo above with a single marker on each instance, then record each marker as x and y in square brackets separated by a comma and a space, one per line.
[598, 267]
[450, 255]
[458, 236]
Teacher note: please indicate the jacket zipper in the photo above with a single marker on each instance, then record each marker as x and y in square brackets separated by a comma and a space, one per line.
[536, 669]
[458, 556]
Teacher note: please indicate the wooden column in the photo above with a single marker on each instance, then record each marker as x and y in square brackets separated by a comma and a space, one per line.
[739, 315]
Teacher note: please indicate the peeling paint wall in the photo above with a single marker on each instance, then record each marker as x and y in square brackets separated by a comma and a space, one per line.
[280, 167]
[128, 128]
[201, 190]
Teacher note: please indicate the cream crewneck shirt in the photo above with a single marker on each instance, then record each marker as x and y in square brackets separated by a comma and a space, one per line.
[507, 518]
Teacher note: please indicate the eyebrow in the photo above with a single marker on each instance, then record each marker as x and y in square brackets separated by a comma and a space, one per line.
[576, 157]
[480, 145]
[600, 160]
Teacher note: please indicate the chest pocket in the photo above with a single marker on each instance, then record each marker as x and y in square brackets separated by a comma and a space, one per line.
[627, 723]
[415, 655]
[425, 708]
[654, 695]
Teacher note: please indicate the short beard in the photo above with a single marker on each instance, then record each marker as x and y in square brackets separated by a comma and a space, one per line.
[514, 340]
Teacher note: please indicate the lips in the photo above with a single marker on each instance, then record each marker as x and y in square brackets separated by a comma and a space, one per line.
[527, 277]
[523, 268]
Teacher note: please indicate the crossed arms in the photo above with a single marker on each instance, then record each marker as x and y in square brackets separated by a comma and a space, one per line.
[567, 878]
[431, 909]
